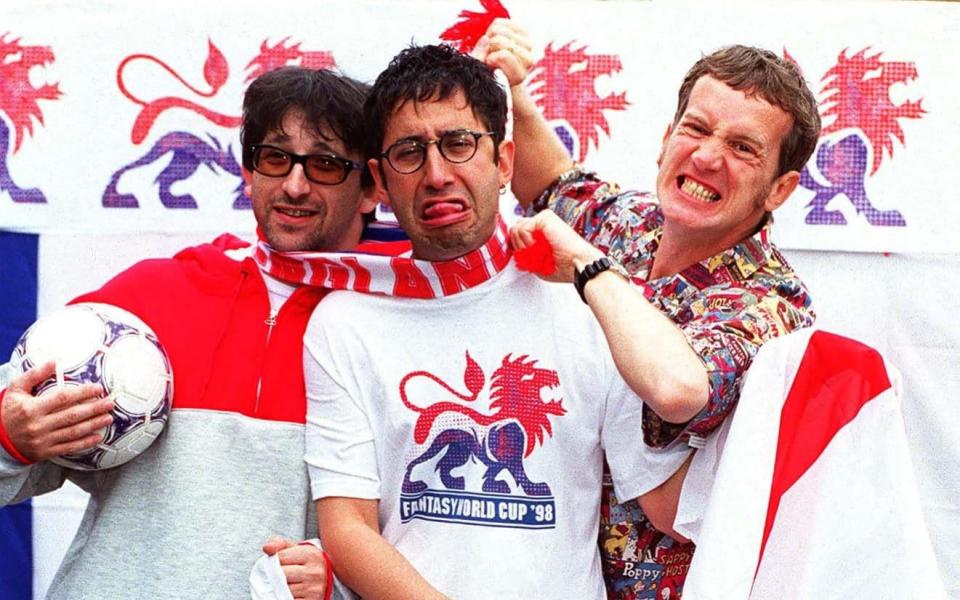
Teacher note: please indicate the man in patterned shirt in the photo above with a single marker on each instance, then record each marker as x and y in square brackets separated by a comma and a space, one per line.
[713, 286]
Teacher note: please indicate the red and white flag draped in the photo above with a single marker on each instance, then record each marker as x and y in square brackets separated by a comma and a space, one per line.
[809, 492]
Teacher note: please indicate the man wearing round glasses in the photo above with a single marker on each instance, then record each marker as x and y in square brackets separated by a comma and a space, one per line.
[465, 461]
[406, 156]
[188, 517]
[440, 207]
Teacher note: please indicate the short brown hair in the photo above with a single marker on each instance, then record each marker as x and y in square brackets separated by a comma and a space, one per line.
[755, 71]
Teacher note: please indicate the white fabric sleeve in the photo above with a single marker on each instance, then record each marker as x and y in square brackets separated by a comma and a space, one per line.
[634, 467]
[340, 452]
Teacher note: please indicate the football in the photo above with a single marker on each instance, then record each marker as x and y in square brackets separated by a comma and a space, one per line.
[108, 346]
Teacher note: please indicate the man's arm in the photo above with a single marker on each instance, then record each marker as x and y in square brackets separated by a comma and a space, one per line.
[540, 156]
[650, 351]
[660, 504]
[362, 559]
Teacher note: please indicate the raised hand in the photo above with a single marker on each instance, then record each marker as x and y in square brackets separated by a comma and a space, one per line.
[506, 46]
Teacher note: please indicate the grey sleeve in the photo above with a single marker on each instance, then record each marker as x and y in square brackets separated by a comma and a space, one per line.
[19, 482]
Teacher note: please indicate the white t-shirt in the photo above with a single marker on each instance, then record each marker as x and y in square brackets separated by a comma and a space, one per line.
[480, 422]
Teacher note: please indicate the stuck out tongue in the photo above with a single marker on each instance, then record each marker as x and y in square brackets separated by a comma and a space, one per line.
[442, 209]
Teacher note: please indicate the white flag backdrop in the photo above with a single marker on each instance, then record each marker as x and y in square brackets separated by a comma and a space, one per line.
[140, 132]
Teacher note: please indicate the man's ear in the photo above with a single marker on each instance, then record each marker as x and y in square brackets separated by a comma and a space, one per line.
[247, 182]
[378, 191]
[505, 154]
[663, 143]
[370, 198]
[781, 189]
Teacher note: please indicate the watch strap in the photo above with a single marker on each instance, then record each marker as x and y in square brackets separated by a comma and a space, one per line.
[590, 271]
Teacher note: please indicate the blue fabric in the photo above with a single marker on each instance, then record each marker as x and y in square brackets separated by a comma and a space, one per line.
[18, 309]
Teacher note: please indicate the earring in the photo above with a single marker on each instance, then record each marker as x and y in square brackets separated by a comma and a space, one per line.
[503, 189]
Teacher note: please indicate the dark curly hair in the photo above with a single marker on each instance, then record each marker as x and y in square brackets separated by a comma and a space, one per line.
[424, 73]
[778, 81]
[331, 102]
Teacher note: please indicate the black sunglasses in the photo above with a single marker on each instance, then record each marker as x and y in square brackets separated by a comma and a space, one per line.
[325, 169]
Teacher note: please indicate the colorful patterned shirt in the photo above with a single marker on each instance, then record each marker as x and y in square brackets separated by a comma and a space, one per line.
[727, 306]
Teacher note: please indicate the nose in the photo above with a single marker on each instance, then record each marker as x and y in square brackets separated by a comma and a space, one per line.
[296, 184]
[709, 154]
[438, 172]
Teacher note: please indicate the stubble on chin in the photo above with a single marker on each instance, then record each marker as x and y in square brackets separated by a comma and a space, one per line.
[294, 241]
[456, 243]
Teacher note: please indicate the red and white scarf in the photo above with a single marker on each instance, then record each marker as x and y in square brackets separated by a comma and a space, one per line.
[388, 275]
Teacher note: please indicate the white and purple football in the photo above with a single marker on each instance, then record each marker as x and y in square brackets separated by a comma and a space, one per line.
[108, 346]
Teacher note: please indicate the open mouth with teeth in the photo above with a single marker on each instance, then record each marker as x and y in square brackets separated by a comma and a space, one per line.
[440, 213]
[296, 213]
[697, 189]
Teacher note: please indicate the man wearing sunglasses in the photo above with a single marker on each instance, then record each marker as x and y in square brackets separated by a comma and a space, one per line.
[465, 461]
[188, 517]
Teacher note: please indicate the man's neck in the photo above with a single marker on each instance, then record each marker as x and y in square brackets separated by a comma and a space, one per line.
[680, 248]
[678, 251]
[438, 256]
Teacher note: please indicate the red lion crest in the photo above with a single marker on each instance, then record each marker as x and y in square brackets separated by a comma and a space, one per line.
[18, 96]
[19, 101]
[858, 101]
[280, 55]
[515, 395]
[189, 151]
[857, 106]
[216, 71]
[564, 85]
[564, 81]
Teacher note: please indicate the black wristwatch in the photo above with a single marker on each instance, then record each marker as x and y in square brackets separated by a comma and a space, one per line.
[604, 263]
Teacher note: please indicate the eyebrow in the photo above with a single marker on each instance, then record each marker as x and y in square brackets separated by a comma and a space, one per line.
[736, 136]
[756, 142]
[420, 138]
[318, 147]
